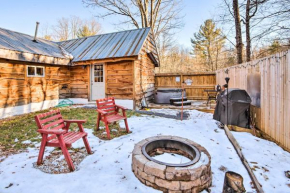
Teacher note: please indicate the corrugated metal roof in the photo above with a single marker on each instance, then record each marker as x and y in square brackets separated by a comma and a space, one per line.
[111, 45]
[16, 41]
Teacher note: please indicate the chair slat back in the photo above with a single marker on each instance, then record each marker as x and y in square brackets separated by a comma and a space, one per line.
[108, 105]
[50, 120]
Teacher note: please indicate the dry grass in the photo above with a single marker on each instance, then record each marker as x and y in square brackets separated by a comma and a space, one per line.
[18, 129]
[115, 131]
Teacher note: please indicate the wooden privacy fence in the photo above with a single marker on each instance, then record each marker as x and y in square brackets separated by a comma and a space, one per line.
[195, 91]
[273, 115]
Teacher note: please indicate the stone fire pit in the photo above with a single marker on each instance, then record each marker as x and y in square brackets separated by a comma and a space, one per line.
[192, 176]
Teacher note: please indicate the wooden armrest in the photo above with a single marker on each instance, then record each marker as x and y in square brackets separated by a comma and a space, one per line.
[121, 107]
[47, 131]
[102, 112]
[75, 121]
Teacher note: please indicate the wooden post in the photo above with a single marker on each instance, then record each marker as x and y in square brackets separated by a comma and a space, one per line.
[181, 116]
[233, 183]
[243, 159]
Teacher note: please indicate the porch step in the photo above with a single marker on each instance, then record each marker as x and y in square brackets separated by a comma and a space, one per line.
[172, 100]
[185, 103]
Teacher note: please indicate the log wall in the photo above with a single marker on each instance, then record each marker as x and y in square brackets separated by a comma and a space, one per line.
[144, 73]
[59, 82]
[195, 91]
[79, 82]
[17, 89]
[272, 117]
[119, 79]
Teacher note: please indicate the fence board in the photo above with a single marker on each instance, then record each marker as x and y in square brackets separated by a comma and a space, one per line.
[195, 91]
[275, 92]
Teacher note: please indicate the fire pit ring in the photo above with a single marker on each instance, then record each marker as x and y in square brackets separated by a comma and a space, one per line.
[187, 148]
[192, 176]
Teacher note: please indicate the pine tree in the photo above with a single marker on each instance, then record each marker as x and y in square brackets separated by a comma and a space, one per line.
[85, 32]
[208, 43]
[275, 47]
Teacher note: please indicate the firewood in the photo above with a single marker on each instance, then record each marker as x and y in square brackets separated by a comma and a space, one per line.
[233, 183]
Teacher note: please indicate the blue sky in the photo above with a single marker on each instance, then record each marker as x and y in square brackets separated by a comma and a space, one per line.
[21, 15]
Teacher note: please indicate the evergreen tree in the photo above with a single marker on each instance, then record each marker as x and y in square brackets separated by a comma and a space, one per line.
[84, 32]
[275, 47]
[208, 43]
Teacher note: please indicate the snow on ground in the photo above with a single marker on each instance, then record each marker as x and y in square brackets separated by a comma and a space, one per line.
[269, 161]
[172, 158]
[109, 168]
[165, 111]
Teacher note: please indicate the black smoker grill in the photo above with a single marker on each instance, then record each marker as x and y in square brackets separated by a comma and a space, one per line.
[163, 95]
[239, 105]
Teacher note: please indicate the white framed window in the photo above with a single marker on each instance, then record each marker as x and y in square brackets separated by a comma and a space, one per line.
[35, 71]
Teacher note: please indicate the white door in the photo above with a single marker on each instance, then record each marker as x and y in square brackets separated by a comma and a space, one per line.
[97, 81]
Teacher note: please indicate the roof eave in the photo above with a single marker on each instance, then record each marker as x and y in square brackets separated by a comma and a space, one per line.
[29, 57]
[103, 60]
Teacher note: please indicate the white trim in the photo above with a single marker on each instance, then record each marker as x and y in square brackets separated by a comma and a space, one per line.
[77, 100]
[32, 107]
[125, 103]
[92, 78]
[35, 69]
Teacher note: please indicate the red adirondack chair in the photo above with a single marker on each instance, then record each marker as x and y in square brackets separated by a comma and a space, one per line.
[108, 113]
[55, 133]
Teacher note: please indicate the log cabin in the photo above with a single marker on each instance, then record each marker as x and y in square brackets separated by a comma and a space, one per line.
[36, 74]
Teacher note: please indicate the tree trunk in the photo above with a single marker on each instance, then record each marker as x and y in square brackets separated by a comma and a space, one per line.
[239, 41]
[248, 37]
[233, 183]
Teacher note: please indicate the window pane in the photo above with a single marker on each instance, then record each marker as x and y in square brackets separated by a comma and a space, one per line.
[39, 71]
[31, 70]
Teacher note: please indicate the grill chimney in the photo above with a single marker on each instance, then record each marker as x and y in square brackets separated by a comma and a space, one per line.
[36, 29]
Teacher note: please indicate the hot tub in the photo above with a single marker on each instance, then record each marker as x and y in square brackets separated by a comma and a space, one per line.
[163, 95]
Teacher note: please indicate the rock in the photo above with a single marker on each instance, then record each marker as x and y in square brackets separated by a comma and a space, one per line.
[145, 176]
[155, 169]
[171, 185]
[140, 161]
[190, 184]
[114, 131]
[173, 173]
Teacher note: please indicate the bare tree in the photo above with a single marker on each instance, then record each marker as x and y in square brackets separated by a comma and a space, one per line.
[75, 24]
[278, 12]
[163, 16]
[62, 29]
[73, 27]
[239, 41]
[252, 7]
[264, 21]
[46, 32]
[94, 26]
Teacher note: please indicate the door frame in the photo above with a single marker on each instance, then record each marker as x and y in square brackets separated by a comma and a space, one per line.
[92, 76]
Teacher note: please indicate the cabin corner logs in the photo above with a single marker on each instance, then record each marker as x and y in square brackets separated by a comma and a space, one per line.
[131, 79]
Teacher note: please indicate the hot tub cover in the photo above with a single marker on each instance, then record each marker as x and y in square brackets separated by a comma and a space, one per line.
[163, 95]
